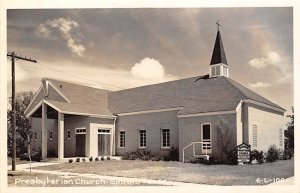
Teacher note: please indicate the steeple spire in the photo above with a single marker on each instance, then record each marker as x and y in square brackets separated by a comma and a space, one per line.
[218, 63]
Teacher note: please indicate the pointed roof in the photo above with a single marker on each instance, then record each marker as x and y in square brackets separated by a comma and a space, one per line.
[218, 55]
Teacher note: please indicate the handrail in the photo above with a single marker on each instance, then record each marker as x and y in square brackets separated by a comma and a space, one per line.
[193, 143]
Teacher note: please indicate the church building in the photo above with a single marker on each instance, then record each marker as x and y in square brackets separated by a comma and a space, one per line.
[197, 115]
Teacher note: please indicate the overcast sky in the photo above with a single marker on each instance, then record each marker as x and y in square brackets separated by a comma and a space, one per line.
[123, 48]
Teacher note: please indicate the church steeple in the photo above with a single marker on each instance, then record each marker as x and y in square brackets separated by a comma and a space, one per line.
[218, 63]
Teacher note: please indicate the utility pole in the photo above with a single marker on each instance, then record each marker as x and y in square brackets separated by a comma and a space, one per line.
[14, 56]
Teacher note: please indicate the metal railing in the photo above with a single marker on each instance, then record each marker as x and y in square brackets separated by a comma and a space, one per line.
[205, 145]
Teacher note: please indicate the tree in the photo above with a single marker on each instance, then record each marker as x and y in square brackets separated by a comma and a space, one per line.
[224, 139]
[289, 133]
[23, 124]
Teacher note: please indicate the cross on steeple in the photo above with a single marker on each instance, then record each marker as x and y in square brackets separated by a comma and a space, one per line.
[218, 24]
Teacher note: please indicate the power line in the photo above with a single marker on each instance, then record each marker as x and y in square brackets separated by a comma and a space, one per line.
[13, 57]
[81, 77]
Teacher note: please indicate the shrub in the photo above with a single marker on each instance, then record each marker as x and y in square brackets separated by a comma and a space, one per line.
[231, 156]
[288, 153]
[272, 154]
[24, 156]
[257, 155]
[102, 158]
[78, 159]
[70, 160]
[141, 155]
[35, 156]
[173, 154]
[96, 159]
[199, 160]
[108, 158]
[51, 153]
[91, 158]
[83, 160]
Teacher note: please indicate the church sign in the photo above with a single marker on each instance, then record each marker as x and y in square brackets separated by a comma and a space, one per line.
[243, 151]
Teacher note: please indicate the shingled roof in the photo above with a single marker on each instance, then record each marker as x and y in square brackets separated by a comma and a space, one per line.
[195, 95]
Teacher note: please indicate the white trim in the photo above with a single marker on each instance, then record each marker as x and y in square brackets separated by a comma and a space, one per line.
[209, 151]
[59, 92]
[139, 139]
[207, 114]
[239, 106]
[51, 105]
[79, 133]
[150, 111]
[39, 90]
[119, 146]
[162, 139]
[34, 109]
[264, 105]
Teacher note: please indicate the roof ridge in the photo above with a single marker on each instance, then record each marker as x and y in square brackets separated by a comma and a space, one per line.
[75, 83]
[159, 83]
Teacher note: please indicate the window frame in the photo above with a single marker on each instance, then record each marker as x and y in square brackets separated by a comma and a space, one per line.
[50, 135]
[120, 139]
[168, 139]
[68, 134]
[145, 138]
[35, 136]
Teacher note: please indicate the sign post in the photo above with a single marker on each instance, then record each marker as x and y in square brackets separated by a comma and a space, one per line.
[243, 153]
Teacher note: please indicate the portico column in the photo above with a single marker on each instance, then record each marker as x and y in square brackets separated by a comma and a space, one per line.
[44, 130]
[60, 134]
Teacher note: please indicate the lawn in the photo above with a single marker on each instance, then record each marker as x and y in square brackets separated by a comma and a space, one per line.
[26, 179]
[184, 172]
[18, 161]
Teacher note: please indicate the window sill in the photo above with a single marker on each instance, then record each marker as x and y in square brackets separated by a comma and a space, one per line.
[165, 147]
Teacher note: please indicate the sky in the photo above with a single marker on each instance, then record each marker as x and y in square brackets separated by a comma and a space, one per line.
[123, 48]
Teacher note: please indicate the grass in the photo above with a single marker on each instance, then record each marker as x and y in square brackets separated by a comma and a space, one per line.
[183, 172]
[26, 179]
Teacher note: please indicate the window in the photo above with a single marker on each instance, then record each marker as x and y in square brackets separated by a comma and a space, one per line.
[254, 135]
[213, 71]
[165, 137]
[218, 70]
[80, 131]
[280, 137]
[103, 131]
[122, 138]
[50, 135]
[35, 136]
[68, 134]
[142, 139]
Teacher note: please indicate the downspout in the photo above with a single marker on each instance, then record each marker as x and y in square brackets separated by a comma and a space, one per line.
[114, 137]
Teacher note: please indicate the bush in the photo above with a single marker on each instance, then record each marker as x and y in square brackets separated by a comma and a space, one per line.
[83, 160]
[51, 153]
[141, 155]
[102, 158]
[173, 154]
[96, 159]
[35, 156]
[231, 156]
[91, 158]
[108, 158]
[78, 159]
[288, 154]
[70, 160]
[199, 160]
[257, 155]
[272, 154]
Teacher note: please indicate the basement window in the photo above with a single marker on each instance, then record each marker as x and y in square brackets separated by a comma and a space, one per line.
[35, 136]
[50, 135]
